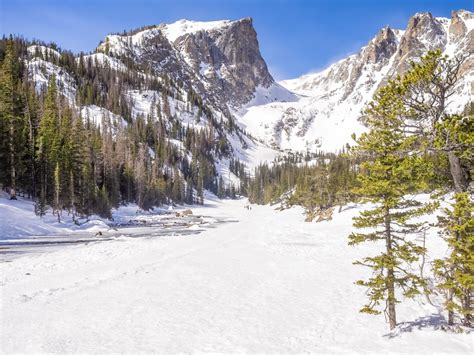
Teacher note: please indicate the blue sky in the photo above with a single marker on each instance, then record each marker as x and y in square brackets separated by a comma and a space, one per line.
[296, 36]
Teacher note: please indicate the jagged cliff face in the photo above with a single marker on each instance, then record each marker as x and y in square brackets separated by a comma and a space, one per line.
[228, 58]
[332, 101]
[461, 30]
[424, 32]
[221, 60]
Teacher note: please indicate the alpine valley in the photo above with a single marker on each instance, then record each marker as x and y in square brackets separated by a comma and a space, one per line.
[163, 193]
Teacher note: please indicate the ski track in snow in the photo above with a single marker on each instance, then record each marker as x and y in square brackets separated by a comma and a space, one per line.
[268, 283]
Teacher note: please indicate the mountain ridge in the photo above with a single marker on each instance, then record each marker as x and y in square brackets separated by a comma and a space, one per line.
[332, 99]
[222, 63]
[221, 59]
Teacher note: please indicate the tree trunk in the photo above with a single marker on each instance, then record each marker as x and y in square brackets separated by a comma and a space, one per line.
[460, 183]
[450, 311]
[392, 316]
[57, 187]
[450, 295]
[32, 150]
[72, 195]
[467, 308]
[12, 162]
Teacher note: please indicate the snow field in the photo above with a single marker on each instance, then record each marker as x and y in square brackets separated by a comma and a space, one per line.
[266, 283]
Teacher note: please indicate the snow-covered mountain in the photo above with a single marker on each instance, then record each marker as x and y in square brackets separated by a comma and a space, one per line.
[221, 62]
[331, 101]
[209, 72]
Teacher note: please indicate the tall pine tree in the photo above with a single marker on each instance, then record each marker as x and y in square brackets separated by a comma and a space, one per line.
[456, 272]
[388, 176]
[12, 122]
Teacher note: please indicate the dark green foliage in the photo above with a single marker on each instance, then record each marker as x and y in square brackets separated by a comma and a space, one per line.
[65, 162]
[420, 100]
[316, 182]
[390, 175]
[456, 272]
[13, 128]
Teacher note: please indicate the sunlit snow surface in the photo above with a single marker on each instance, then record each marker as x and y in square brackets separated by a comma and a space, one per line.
[266, 283]
[182, 27]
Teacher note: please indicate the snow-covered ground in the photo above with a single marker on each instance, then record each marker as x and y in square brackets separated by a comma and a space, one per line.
[266, 283]
[18, 220]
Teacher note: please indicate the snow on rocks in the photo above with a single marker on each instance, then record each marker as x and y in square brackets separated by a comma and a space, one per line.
[273, 93]
[45, 51]
[40, 71]
[179, 28]
[98, 115]
[18, 220]
[103, 59]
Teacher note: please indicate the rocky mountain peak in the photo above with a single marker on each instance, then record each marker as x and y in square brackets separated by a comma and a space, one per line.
[221, 59]
[335, 97]
[424, 32]
[382, 46]
[420, 20]
[227, 57]
[464, 14]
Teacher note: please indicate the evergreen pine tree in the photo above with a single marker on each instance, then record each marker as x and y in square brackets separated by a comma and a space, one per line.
[457, 270]
[47, 144]
[389, 176]
[12, 123]
[424, 92]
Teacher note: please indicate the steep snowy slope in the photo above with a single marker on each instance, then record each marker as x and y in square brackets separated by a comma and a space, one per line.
[102, 59]
[40, 71]
[331, 101]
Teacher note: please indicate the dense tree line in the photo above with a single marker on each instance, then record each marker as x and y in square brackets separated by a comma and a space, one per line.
[318, 183]
[74, 165]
